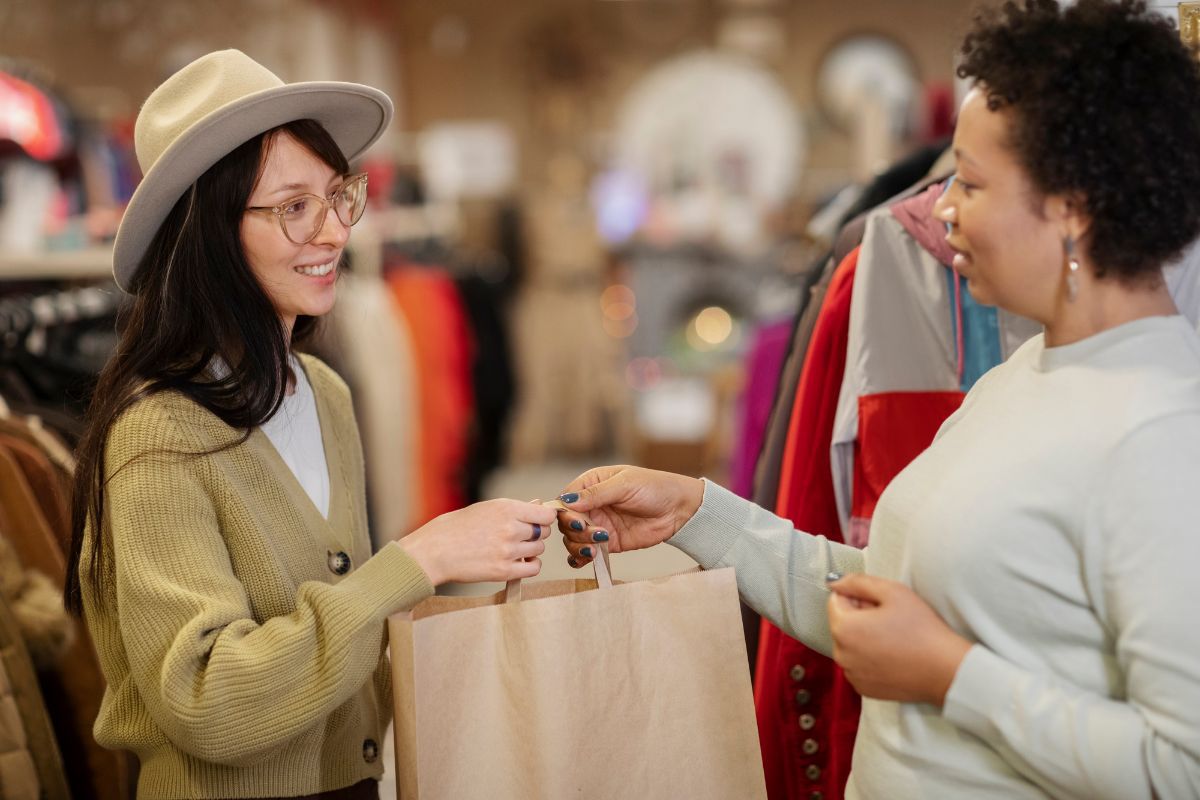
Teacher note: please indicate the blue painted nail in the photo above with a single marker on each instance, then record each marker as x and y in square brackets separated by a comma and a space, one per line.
[600, 536]
[571, 562]
[569, 497]
[833, 577]
[576, 525]
[586, 552]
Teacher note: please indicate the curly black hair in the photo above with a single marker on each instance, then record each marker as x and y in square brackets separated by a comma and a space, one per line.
[1106, 102]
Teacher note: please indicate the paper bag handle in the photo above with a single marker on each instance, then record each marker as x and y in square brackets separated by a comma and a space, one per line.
[512, 589]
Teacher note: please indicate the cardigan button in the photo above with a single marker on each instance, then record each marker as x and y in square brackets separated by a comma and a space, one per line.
[797, 673]
[807, 721]
[816, 796]
[810, 746]
[370, 751]
[802, 697]
[339, 562]
[812, 772]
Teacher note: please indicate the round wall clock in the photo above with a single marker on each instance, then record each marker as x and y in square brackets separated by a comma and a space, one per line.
[867, 67]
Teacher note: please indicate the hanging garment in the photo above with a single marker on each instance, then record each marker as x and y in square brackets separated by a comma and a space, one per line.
[442, 347]
[36, 603]
[47, 488]
[27, 526]
[30, 610]
[572, 399]
[807, 713]
[73, 691]
[493, 383]
[367, 342]
[769, 345]
[18, 772]
[770, 457]
[902, 340]
[755, 405]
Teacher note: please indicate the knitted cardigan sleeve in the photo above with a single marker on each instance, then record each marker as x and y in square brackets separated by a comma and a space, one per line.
[222, 685]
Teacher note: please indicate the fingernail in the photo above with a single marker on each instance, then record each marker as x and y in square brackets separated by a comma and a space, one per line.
[833, 577]
[600, 536]
[571, 562]
[569, 497]
[586, 552]
[576, 525]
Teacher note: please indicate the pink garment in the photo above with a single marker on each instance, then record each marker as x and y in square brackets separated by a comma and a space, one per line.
[916, 215]
[764, 363]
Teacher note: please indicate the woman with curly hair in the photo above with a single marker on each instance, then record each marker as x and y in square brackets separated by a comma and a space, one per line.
[1020, 625]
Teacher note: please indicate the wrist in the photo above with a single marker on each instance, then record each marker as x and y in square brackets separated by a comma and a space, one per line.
[691, 497]
[953, 653]
[418, 546]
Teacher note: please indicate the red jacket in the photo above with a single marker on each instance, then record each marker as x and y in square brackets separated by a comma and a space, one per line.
[807, 712]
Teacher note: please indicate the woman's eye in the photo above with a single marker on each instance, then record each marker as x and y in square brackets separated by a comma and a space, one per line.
[295, 208]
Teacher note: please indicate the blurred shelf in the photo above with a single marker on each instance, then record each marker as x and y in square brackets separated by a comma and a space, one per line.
[88, 263]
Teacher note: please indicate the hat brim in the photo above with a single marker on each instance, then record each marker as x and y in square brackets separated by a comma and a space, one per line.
[355, 116]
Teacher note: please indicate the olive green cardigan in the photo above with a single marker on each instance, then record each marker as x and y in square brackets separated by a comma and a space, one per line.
[239, 664]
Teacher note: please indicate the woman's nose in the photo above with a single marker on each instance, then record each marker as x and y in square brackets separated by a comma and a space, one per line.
[333, 230]
[945, 211]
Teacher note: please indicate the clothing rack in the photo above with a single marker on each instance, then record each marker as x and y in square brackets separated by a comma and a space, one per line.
[399, 225]
[23, 317]
[91, 263]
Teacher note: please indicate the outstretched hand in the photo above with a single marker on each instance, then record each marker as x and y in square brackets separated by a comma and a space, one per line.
[629, 507]
[495, 540]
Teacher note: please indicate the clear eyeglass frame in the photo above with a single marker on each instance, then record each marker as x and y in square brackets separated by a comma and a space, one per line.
[348, 201]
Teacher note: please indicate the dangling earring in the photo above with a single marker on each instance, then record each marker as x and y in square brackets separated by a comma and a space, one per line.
[1072, 270]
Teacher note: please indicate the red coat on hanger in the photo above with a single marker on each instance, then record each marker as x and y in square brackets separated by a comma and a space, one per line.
[807, 711]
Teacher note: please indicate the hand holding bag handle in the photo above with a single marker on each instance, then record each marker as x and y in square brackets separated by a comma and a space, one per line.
[512, 589]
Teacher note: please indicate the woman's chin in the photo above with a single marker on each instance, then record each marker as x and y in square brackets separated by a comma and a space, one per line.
[979, 293]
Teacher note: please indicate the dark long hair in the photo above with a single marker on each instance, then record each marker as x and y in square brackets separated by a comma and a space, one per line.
[195, 298]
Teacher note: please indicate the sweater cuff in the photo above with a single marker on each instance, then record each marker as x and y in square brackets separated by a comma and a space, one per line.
[978, 697]
[389, 581]
[715, 527]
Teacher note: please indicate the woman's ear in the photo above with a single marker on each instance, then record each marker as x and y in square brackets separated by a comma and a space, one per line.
[1069, 211]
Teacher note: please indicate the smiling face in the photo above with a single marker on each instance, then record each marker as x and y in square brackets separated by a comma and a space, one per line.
[1009, 239]
[299, 278]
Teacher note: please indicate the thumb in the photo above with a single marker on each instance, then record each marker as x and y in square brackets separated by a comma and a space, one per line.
[860, 586]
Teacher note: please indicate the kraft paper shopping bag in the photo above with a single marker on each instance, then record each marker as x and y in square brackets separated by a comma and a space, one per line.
[577, 689]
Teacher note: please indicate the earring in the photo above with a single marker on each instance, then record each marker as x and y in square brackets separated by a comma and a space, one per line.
[1072, 269]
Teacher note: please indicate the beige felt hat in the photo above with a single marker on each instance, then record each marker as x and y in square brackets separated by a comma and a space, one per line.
[210, 107]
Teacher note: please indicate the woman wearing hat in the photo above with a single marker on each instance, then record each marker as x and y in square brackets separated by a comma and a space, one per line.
[219, 543]
[1022, 624]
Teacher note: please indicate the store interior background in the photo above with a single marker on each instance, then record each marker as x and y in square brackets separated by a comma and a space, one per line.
[635, 189]
[642, 178]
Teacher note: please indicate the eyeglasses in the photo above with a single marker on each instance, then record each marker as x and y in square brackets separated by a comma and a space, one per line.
[302, 217]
